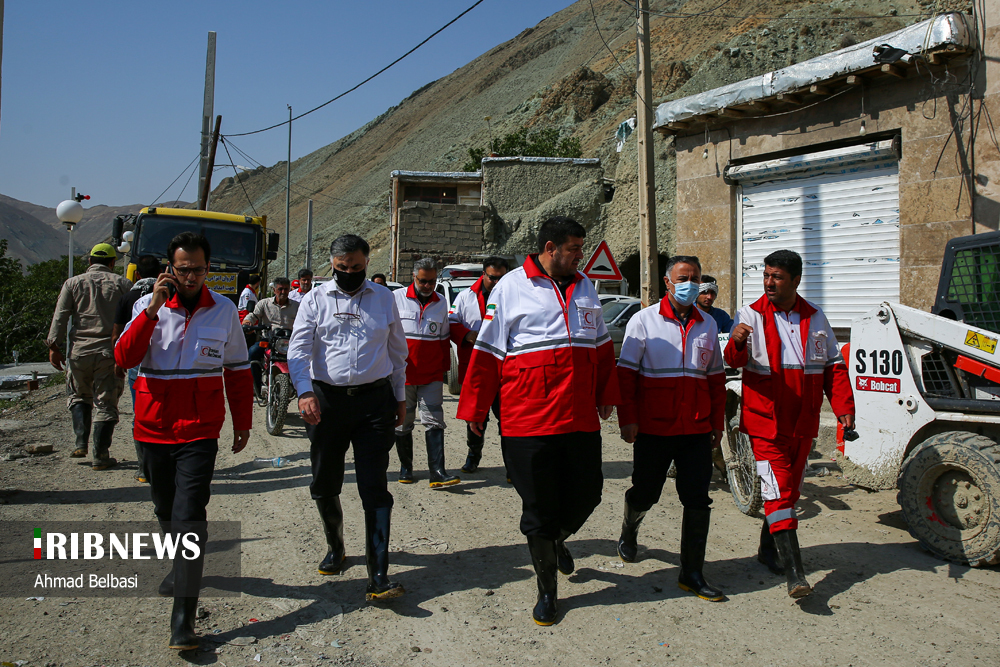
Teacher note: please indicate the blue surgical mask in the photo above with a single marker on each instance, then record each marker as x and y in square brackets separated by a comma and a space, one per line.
[686, 293]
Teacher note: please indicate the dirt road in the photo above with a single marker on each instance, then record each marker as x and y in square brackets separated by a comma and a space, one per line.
[880, 600]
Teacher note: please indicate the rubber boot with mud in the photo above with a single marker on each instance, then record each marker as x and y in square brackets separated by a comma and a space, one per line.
[767, 553]
[628, 545]
[141, 475]
[545, 561]
[787, 542]
[332, 514]
[81, 413]
[694, 539]
[475, 443]
[377, 556]
[564, 559]
[435, 459]
[102, 445]
[404, 450]
[182, 634]
[166, 588]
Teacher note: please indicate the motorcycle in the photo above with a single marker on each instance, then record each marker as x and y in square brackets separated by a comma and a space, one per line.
[275, 391]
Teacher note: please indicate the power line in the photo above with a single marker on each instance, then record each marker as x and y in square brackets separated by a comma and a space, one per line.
[237, 176]
[611, 51]
[176, 179]
[186, 184]
[351, 90]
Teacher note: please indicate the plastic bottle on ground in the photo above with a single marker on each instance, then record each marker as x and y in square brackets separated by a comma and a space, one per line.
[262, 462]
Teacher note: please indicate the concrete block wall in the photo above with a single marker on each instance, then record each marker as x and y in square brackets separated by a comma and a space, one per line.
[450, 233]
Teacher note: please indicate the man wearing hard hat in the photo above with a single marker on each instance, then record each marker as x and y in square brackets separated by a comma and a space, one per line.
[88, 302]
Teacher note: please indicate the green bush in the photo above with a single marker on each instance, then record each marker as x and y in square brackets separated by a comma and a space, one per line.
[541, 143]
[27, 301]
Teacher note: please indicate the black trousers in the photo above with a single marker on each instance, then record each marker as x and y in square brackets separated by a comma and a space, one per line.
[365, 421]
[652, 455]
[559, 479]
[180, 478]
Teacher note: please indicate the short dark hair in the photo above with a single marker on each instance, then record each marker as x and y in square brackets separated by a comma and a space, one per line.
[705, 278]
[496, 263]
[379, 275]
[148, 266]
[348, 243]
[103, 261]
[557, 230]
[683, 259]
[789, 260]
[304, 273]
[189, 241]
[254, 279]
[283, 281]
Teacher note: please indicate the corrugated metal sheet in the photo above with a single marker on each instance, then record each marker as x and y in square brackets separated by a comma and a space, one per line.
[844, 224]
[860, 157]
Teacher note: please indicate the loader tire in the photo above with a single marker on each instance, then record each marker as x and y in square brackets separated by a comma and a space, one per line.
[743, 481]
[949, 490]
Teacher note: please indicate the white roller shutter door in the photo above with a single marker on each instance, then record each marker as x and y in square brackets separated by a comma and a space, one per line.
[840, 211]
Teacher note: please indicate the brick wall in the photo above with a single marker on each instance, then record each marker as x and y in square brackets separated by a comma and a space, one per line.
[450, 233]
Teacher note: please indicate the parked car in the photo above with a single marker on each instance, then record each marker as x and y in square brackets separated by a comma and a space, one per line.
[617, 313]
[607, 298]
[461, 271]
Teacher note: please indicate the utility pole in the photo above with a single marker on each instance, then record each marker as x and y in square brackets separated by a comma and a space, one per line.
[208, 110]
[207, 185]
[648, 259]
[288, 185]
[309, 236]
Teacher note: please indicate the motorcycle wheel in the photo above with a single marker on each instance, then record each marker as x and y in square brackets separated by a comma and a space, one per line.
[277, 403]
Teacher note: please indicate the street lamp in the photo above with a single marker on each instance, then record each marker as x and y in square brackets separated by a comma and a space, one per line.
[70, 212]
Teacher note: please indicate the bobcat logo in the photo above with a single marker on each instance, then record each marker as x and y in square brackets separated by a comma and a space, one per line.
[862, 383]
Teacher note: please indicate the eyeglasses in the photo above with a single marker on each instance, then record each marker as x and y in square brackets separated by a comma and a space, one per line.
[492, 278]
[187, 271]
[425, 282]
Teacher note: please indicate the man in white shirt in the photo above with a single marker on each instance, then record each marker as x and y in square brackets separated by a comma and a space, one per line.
[305, 285]
[347, 359]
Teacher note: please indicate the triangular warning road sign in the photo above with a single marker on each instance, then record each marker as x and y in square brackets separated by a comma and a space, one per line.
[601, 265]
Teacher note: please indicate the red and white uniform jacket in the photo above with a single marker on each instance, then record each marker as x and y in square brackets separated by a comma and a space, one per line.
[466, 315]
[788, 362]
[551, 358]
[427, 336]
[184, 360]
[671, 375]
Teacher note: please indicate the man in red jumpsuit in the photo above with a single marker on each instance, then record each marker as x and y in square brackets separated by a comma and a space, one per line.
[789, 357]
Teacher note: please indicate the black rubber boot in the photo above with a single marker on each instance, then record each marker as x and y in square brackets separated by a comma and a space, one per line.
[332, 514]
[628, 547]
[767, 553]
[694, 539]
[182, 634]
[475, 443]
[404, 450]
[564, 559]
[545, 561]
[140, 469]
[102, 445]
[377, 556]
[81, 413]
[787, 542]
[166, 588]
[435, 459]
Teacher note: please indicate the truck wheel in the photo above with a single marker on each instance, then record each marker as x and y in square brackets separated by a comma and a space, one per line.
[454, 386]
[949, 489]
[743, 481]
[277, 403]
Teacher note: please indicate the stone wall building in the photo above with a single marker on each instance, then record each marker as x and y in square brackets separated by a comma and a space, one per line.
[866, 166]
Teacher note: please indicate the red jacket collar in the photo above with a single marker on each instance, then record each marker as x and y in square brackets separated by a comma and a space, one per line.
[411, 293]
[668, 312]
[205, 300]
[763, 305]
[478, 286]
[533, 270]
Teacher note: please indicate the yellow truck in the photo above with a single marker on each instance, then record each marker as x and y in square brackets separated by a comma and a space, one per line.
[241, 244]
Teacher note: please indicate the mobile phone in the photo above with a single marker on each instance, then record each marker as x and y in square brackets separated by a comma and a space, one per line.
[171, 288]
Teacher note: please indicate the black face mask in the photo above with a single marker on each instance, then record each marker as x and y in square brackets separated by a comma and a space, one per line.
[349, 282]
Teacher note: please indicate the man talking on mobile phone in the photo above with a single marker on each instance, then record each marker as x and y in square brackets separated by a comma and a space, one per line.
[188, 345]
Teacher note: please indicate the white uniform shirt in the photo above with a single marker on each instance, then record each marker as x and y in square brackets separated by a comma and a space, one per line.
[465, 310]
[296, 295]
[247, 299]
[347, 340]
[789, 329]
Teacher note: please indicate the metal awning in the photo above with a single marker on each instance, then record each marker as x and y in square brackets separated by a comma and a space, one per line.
[942, 33]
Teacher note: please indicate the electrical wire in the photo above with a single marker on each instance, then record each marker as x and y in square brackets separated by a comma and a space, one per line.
[186, 184]
[352, 89]
[600, 34]
[237, 175]
[176, 179]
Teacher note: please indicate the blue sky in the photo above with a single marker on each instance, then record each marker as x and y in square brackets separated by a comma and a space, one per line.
[107, 96]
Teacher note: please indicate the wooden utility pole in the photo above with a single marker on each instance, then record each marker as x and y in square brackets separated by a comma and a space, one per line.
[207, 185]
[649, 272]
